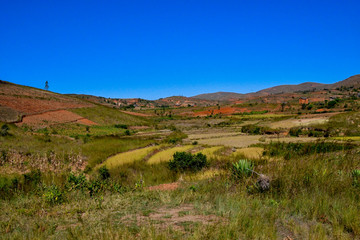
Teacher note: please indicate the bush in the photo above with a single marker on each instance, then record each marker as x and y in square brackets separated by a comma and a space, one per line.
[53, 195]
[76, 182]
[183, 161]
[104, 173]
[123, 126]
[242, 168]
[4, 131]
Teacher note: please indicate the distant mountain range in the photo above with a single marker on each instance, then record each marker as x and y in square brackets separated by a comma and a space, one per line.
[353, 81]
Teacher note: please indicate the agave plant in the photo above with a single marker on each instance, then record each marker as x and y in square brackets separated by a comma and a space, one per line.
[242, 168]
[356, 173]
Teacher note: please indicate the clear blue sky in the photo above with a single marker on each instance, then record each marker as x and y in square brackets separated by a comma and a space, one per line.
[154, 49]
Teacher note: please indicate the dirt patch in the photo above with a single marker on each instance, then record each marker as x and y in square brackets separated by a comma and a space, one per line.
[54, 117]
[165, 187]
[177, 218]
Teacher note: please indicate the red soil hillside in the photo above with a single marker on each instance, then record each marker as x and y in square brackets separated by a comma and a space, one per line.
[20, 102]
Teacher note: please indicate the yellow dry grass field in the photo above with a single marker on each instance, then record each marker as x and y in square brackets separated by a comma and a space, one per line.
[209, 152]
[244, 141]
[167, 154]
[347, 138]
[250, 152]
[129, 157]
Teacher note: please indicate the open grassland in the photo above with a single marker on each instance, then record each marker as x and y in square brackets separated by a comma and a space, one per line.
[129, 157]
[109, 116]
[167, 154]
[312, 196]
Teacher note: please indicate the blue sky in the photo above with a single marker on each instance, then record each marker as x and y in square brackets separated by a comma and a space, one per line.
[152, 49]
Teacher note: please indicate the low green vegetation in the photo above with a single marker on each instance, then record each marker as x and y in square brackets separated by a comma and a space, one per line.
[103, 115]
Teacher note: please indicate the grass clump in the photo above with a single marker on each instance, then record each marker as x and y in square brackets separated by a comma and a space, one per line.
[183, 161]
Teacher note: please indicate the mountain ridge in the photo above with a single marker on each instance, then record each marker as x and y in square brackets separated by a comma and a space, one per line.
[287, 88]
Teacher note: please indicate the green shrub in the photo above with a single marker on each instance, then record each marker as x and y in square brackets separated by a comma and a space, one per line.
[123, 126]
[32, 178]
[53, 195]
[104, 173]
[183, 161]
[242, 168]
[4, 131]
[76, 182]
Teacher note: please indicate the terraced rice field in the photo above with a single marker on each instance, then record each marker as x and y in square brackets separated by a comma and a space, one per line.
[129, 157]
[210, 152]
[212, 135]
[244, 141]
[167, 154]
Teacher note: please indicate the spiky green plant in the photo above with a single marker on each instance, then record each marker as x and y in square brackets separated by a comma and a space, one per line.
[242, 168]
[356, 177]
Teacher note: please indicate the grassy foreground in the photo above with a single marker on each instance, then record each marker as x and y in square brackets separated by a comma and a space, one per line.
[312, 196]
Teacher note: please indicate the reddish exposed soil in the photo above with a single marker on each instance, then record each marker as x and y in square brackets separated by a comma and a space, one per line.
[54, 117]
[32, 105]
